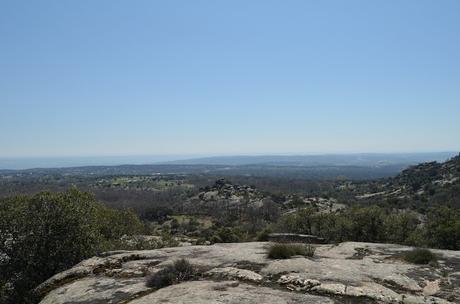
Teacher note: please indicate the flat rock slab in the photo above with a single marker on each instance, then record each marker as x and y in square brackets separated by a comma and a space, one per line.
[242, 273]
[97, 290]
[228, 292]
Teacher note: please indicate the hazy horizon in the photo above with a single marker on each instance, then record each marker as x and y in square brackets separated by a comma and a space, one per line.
[20, 163]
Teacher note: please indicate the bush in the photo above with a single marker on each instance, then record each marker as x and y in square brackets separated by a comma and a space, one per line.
[420, 256]
[180, 271]
[443, 228]
[285, 251]
[227, 235]
[49, 232]
[263, 235]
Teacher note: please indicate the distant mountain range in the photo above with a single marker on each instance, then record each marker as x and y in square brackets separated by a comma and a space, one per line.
[327, 166]
[359, 159]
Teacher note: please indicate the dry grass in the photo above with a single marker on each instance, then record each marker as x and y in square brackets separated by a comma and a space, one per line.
[181, 270]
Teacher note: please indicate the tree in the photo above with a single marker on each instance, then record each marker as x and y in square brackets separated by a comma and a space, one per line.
[399, 226]
[47, 233]
[442, 228]
[367, 224]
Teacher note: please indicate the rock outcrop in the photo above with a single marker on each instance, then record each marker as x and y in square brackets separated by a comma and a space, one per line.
[241, 273]
[224, 195]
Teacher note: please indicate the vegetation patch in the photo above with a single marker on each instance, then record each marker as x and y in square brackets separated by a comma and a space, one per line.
[360, 253]
[47, 233]
[180, 271]
[285, 251]
[420, 256]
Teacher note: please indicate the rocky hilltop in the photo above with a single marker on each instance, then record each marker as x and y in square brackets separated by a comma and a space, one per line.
[226, 195]
[241, 273]
[432, 173]
[433, 182]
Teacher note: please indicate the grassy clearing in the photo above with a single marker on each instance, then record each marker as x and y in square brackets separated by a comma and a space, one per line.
[285, 251]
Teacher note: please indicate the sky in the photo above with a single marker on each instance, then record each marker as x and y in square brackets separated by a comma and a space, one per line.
[95, 78]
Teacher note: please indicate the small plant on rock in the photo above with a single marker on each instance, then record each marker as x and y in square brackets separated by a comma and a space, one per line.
[420, 256]
[180, 271]
[285, 251]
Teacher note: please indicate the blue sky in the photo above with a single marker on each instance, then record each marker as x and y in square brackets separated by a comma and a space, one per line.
[82, 78]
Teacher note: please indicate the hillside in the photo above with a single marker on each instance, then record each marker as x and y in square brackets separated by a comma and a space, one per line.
[420, 177]
[424, 184]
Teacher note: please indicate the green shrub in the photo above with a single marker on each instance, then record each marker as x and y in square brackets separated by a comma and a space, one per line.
[285, 251]
[263, 235]
[227, 235]
[50, 232]
[420, 256]
[216, 239]
[443, 228]
[180, 271]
